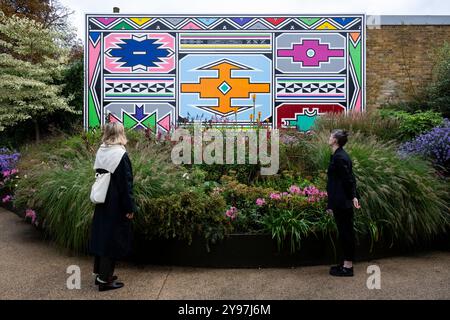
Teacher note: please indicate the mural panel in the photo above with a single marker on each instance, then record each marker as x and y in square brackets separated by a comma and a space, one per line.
[155, 72]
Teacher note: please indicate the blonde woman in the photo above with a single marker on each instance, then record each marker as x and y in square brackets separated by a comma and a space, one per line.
[111, 226]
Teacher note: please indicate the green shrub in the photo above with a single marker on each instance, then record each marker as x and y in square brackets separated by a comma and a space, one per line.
[401, 200]
[439, 90]
[414, 124]
[60, 197]
[58, 188]
[184, 215]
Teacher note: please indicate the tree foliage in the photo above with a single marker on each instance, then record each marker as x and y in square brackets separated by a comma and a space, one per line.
[32, 63]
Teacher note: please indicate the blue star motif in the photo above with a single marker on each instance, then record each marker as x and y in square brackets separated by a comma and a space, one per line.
[135, 53]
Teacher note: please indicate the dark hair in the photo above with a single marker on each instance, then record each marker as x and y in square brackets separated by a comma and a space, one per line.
[341, 136]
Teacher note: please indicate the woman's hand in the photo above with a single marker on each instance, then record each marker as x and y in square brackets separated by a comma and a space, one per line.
[130, 215]
[356, 203]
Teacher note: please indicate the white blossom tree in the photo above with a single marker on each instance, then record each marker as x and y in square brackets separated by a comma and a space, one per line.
[32, 61]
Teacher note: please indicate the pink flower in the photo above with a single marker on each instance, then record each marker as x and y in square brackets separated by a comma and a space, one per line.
[6, 173]
[14, 171]
[311, 190]
[29, 213]
[295, 189]
[260, 202]
[6, 198]
[231, 213]
[275, 196]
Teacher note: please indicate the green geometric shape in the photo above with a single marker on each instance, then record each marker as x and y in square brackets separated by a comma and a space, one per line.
[224, 87]
[355, 55]
[303, 123]
[150, 122]
[93, 118]
[128, 121]
[123, 26]
[309, 21]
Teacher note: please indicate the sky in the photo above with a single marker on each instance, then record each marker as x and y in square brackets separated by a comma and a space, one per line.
[370, 7]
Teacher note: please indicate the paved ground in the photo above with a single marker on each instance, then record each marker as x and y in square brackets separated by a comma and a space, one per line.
[31, 268]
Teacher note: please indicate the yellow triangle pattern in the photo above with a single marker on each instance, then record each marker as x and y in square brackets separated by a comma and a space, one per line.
[326, 26]
[140, 21]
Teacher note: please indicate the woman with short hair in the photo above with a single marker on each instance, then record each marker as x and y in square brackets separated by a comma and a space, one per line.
[342, 197]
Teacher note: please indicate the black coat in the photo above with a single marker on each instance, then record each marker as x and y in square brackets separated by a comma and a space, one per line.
[111, 232]
[341, 184]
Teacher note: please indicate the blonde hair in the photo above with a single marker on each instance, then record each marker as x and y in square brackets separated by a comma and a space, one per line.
[114, 133]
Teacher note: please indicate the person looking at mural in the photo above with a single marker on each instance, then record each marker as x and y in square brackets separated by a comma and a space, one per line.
[111, 231]
[342, 197]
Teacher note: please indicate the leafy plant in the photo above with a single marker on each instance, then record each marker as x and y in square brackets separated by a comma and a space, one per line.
[287, 224]
[414, 124]
[184, 215]
[58, 188]
[439, 90]
[403, 201]
[31, 64]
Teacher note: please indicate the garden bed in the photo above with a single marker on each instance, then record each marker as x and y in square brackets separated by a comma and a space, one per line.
[260, 250]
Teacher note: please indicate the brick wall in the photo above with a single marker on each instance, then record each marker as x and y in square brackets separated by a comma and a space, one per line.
[400, 60]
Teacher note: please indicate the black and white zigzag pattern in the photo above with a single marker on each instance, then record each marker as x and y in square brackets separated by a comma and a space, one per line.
[139, 88]
[310, 88]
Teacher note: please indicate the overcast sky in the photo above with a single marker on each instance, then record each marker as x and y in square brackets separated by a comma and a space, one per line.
[371, 7]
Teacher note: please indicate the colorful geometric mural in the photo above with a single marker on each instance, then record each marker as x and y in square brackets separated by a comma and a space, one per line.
[158, 71]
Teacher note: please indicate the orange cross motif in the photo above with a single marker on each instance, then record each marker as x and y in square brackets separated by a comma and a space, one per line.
[224, 87]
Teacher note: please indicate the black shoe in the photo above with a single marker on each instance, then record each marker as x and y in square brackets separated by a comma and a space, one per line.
[114, 278]
[336, 268]
[110, 286]
[341, 271]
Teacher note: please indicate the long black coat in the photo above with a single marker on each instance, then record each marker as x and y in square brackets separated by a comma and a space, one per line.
[341, 185]
[111, 232]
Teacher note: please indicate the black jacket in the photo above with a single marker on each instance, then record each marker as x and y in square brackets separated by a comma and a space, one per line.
[111, 232]
[341, 184]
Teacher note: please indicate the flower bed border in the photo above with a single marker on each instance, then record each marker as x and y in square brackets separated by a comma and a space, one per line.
[260, 250]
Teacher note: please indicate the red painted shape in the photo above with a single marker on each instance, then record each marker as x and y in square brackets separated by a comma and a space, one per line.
[275, 21]
[288, 110]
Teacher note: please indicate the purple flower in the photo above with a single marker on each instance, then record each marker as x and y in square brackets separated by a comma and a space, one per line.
[8, 159]
[7, 198]
[434, 144]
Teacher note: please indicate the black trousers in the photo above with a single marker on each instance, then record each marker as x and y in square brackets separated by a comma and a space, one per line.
[344, 222]
[104, 267]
